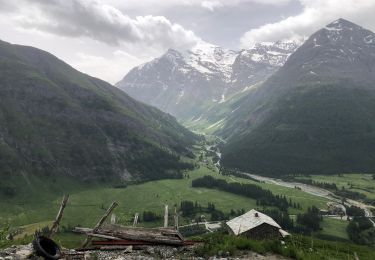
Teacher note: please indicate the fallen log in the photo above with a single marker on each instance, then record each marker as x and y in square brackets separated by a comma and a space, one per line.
[135, 243]
[121, 242]
[152, 235]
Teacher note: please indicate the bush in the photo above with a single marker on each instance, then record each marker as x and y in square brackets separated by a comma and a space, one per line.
[311, 219]
[192, 230]
[361, 231]
[354, 211]
[149, 216]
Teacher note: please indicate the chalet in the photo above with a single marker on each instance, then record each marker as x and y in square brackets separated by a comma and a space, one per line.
[256, 225]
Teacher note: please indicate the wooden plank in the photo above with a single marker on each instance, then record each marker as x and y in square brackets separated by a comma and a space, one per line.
[56, 223]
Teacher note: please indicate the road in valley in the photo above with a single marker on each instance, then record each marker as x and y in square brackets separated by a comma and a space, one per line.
[316, 191]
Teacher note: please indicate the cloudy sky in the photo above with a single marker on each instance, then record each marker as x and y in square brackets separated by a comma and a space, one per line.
[106, 38]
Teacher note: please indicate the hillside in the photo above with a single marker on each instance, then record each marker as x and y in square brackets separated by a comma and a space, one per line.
[315, 115]
[189, 84]
[57, 121]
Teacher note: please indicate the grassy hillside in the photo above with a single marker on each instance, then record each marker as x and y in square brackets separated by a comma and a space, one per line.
[321, 129]
[57, 121]
[315, 115]
[215, 115]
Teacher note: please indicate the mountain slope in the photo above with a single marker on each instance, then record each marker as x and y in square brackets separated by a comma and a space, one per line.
[55, 120]
[186, 84]
[316, 114]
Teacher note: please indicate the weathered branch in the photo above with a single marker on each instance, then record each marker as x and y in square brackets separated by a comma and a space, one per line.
[56, 223]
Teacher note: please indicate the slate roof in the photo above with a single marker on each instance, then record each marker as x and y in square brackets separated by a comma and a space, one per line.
[249, 221]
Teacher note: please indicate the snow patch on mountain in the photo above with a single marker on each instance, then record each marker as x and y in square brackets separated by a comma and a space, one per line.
[182, 82]
[272, 53]
[211, 59]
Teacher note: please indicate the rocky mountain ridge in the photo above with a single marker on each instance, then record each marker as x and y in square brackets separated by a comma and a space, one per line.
[185, 83]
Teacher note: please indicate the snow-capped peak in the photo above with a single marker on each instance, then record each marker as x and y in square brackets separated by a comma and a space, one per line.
[341, 23]
[273, 53]
[343, 30]
[210, 59]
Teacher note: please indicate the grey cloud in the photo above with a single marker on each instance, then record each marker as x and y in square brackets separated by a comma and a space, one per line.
[89, 18]
[7, 6]
[315, 14]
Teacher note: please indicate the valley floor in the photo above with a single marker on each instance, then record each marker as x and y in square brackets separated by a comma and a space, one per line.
[34, 209]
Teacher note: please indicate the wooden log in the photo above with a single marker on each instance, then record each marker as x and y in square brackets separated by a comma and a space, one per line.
[119, 243]
[168, 236]
[82, 230]
[56, 223]
[105, 216]
[126, 249]
[136, 236]
[102, 236]
[137, 230]
[100, 223]
[145, 237]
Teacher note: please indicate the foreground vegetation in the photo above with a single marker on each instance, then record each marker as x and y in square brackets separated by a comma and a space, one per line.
[296, 247]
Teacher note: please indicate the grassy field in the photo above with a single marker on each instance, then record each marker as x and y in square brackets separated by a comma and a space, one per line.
[87, 204]
[334, 228]
[33, 209]
[362, 183]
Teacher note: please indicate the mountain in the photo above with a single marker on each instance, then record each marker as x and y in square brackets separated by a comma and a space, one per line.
[186, 84]
[316, 114]
[56, 121]
[256, 64]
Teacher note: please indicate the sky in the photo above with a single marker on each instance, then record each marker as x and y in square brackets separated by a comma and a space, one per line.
[107, 38]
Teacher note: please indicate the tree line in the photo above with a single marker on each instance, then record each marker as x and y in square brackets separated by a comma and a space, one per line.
[263, 197]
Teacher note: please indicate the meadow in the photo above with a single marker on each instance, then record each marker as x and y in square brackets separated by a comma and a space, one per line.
[37, 203]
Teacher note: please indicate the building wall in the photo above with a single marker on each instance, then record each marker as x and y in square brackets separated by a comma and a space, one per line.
[264, 231]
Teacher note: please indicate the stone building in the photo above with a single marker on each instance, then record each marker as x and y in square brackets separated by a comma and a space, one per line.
[255, 225]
